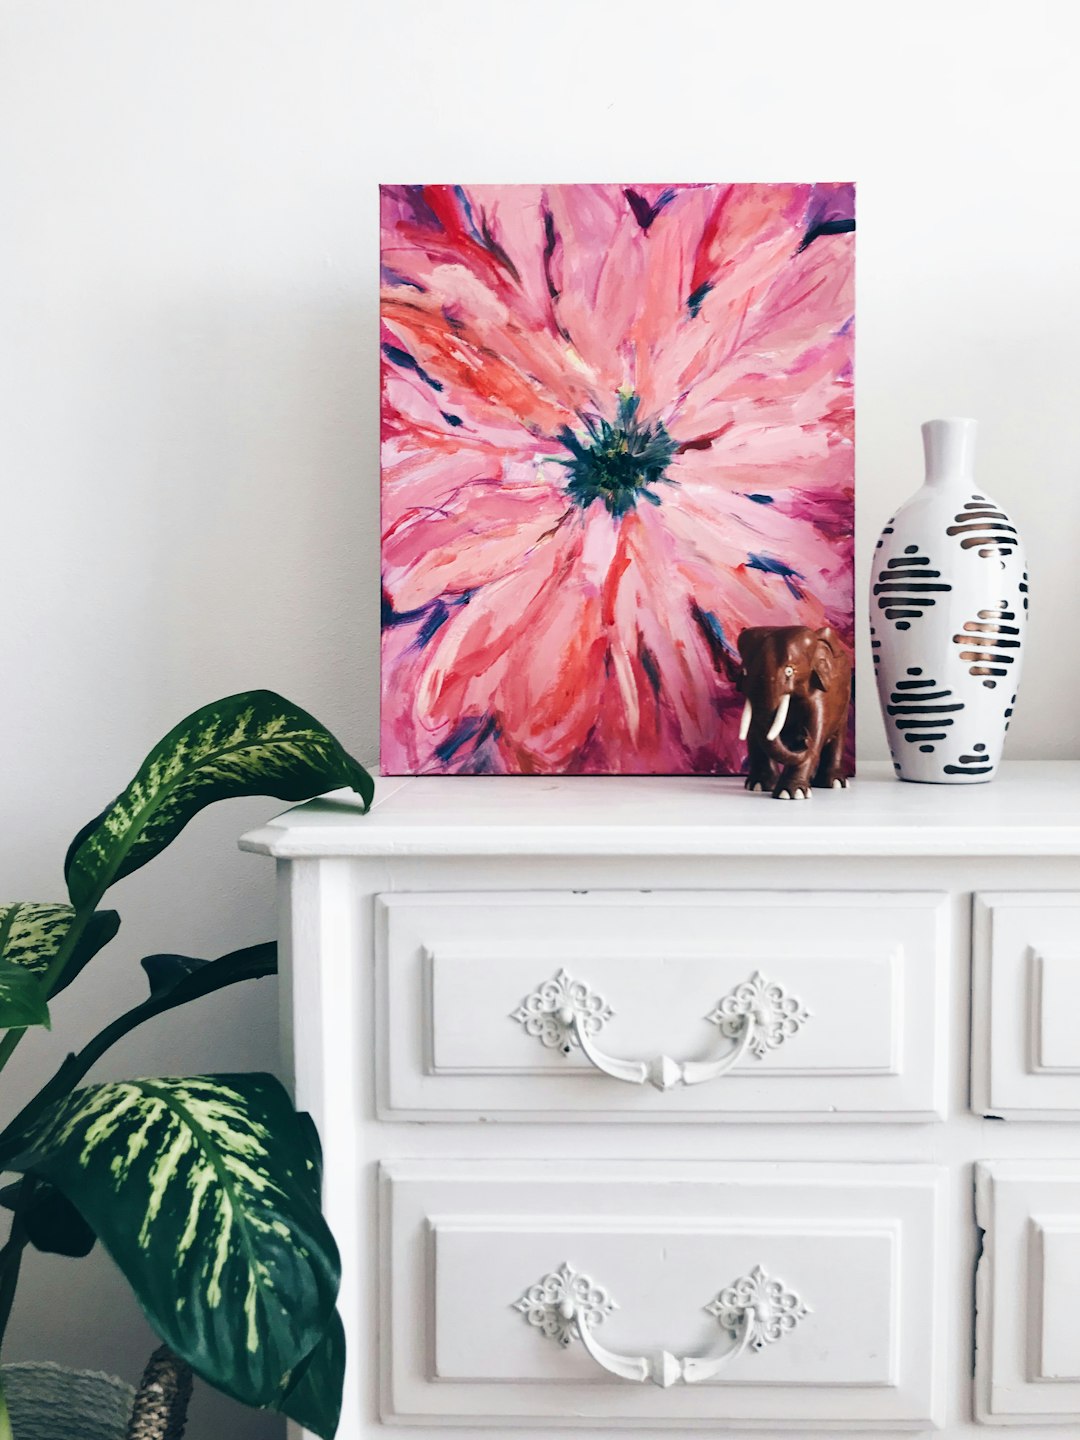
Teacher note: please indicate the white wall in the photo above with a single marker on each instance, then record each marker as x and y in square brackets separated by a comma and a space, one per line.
[188, 408]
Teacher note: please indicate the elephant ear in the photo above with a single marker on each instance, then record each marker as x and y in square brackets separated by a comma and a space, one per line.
[827, 647]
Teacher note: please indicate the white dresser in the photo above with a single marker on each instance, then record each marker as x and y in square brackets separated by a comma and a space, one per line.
[649, 1105]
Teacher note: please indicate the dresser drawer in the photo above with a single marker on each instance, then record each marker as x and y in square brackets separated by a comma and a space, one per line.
[608, 1005]
[789, 1295]
[1026, 997]
[1027, 1343]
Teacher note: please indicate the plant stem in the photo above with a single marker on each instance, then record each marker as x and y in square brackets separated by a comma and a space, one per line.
[11, 1257]
[261, 961]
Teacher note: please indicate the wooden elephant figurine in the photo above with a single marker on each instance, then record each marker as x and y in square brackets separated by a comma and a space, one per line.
[797, 684]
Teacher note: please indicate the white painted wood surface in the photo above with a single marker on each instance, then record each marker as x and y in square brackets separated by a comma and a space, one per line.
[1028, 1341]
[355, 1007]
[1032, 807]
[855, 1244]
[863, 974]
[1026, 998]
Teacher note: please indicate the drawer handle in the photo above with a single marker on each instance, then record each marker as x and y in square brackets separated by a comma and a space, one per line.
[755, 1311]
[758, 1015]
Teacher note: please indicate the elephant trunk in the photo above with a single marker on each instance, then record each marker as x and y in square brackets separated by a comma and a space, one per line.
[775, 746]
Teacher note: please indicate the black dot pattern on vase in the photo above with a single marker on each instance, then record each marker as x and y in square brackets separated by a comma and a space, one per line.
[987, 644]
[975, 764]
[875, 647]
[981, 526]
[923, 712]
[907, 586]
[1024, 589]
[1009, 712]
[887, 531]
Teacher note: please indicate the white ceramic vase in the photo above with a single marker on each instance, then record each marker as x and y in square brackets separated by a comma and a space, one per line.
[948, 617]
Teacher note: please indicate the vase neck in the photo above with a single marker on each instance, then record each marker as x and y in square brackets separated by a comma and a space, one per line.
[949, 446]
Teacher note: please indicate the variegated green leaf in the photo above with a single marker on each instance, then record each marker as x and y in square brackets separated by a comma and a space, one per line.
[202, 1191]
[313, 1395]
[31, 935]
[22, 998]
[250, 744]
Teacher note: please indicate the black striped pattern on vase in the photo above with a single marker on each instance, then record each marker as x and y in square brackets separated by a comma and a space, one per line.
[907, 587]
[922, 710]
[983, 527]
[988, 642]
[977, 764]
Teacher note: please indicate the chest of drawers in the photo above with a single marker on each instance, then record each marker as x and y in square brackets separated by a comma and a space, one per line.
[648, 1105]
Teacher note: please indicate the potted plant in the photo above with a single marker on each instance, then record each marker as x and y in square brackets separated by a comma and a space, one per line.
[203, 1189]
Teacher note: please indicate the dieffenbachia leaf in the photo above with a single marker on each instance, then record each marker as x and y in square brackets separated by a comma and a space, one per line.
[255, 743]
[22, 998]
[31, 934]
[313, 1395]
[53, 1225]
[201, 1190]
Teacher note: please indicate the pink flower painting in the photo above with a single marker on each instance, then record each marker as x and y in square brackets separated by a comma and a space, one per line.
[617, 428]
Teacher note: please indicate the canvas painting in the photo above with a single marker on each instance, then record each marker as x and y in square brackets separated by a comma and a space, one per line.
[617, 428]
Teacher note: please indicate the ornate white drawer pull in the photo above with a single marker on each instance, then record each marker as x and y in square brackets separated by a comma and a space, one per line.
[757, 1015]
[755, 1311]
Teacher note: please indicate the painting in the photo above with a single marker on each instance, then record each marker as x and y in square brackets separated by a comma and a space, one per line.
[617, 427]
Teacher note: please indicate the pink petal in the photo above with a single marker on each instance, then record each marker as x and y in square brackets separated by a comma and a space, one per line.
[482, 534]
[526, 650]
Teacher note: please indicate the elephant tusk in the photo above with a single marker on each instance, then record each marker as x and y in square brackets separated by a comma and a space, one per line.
[779, 718]
[744, 723]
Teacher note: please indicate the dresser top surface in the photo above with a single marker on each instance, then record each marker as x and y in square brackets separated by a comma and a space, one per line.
[1033, 807]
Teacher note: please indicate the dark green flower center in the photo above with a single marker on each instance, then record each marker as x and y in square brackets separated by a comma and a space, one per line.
[618, 463]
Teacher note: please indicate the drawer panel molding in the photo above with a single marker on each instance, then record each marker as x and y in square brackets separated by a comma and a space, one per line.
[628, 1005]
[1026, 1006]
[1027, 1343]
[677, 1296]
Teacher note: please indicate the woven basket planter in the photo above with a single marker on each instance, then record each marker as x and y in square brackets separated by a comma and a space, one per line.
[49, 1402]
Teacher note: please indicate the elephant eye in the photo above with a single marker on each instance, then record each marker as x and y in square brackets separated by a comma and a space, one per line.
[789, 670]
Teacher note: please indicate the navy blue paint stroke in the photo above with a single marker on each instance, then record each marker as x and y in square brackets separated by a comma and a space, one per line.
[649, 665]
[454, 420]
[434, 621]
[475, 728]
[714, 634]
[482, 233]
[390, 617]
[696, 297]
[826, 227]
[760, 499]
[463, 201]
[769, 566]
[430, 617]
[644, 212]
[406, 362]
